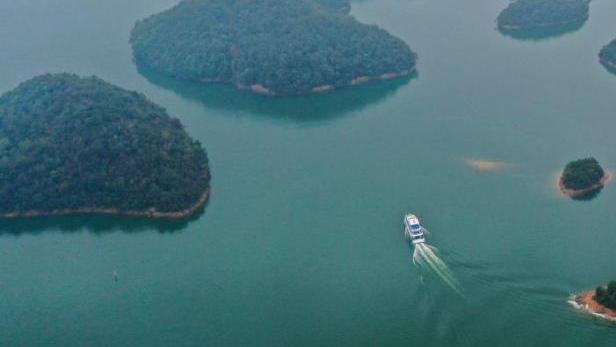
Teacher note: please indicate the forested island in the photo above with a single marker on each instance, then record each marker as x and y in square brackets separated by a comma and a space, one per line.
[582, 177]
[552, 16]
[607, 56]
[601, 302]
[271, 47]
[81, 145]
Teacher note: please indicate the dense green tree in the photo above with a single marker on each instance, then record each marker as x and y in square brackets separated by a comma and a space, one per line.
[532, 14]
[606, 296]
[287, 46]
[68, 142]
[582, 174]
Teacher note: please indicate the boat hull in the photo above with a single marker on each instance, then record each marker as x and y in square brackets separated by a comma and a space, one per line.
[413, 229]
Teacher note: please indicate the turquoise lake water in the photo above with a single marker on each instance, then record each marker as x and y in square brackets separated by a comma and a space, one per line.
[301, 243]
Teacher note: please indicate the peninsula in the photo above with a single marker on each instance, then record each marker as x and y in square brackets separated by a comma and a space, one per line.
[582, 177]
[600, 302]
[270, 47]
[81, 145]
[607, 56]
[525, 15]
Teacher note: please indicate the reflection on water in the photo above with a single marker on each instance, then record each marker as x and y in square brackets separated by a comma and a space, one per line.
[543, 33]
[308, 108]
[98, 224]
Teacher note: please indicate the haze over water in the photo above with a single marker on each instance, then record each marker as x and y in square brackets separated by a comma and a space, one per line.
[302, 242]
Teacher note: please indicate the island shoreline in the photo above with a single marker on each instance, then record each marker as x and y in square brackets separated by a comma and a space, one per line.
[203, 199]
[610, 65]
[586, 302]
[259, 89]
[575, 193]
[517, 28]
[262, 90]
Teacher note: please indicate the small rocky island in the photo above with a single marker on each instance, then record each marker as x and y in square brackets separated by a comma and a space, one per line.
[583, 177]
[551, 16]
[81, 145]
[270, 47]
[607, 56]
[601, 302]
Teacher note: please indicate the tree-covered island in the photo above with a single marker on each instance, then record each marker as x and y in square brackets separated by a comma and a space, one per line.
[601, 302]
[81, 145]
[607, 56]
[552, 15]
[272, 47]
[582, 177]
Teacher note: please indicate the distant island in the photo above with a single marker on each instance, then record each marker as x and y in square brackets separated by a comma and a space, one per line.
[601, 302]
[270, 47]
[81, 145]
[582, 177]
[607, 56]
[342, 6]
[553, 16]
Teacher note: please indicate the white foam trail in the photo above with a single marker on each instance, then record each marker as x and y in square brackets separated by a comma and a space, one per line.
[425, 256]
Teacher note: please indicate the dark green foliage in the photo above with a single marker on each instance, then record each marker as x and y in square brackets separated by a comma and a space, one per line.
[529, 14]
[68, 142]
[287, 46]
[608, 55]
[606, 296]
[582, 174]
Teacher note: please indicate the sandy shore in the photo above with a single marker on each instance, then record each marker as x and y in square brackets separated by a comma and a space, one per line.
[484, 165]
[585, 301]
[111, 211]
[262, 90]
[362, 80]
[572, 193]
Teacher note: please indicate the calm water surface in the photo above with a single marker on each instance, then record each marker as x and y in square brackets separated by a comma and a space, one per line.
[301, 243]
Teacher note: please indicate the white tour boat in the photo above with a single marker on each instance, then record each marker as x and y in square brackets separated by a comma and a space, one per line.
[413, 229]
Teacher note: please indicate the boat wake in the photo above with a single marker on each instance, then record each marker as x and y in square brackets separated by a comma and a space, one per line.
[425, 256]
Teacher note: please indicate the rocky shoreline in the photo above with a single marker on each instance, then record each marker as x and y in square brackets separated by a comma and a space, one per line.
[112, 211]
[586, 302]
